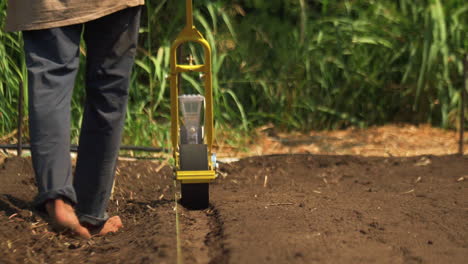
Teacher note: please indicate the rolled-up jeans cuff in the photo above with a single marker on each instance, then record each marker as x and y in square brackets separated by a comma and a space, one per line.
[92, 220]
[67, 192]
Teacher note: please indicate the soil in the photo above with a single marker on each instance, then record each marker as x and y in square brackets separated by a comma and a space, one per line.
[292, 208]
[395, 140]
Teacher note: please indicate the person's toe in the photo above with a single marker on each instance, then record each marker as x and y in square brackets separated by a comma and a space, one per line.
[112, 225]
[82, 232]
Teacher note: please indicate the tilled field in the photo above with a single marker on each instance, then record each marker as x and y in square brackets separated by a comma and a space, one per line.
[269, 209]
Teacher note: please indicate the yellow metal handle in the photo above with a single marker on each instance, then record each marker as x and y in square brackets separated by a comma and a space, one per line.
[190, 68]
[189, 13]
[191, 34]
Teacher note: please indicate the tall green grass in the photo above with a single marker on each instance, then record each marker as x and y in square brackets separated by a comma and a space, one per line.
[353, 63]
[12, 73]
[297, 64]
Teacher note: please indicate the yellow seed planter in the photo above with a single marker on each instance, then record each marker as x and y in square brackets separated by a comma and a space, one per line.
[194, 159]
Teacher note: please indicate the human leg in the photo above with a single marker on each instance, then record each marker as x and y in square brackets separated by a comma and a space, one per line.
[52, 61]
[111, 47]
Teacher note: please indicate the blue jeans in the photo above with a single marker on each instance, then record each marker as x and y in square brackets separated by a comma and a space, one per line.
[52, 58]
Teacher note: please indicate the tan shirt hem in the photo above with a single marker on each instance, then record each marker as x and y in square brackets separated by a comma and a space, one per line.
[52, 23]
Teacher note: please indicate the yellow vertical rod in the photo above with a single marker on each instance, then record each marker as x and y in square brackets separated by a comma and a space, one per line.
[189, 13]
[209, 112]
[174, 102]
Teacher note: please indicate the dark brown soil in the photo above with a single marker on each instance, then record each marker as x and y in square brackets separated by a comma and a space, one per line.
[269, 209]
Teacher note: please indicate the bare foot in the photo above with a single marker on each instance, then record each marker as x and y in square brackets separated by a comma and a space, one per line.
[112, 225]
[63, 215]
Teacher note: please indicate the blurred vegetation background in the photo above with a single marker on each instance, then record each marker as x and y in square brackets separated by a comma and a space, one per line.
[298, 64]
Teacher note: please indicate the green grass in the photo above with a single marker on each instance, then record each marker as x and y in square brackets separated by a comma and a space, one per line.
[12, 73]
[297, 64]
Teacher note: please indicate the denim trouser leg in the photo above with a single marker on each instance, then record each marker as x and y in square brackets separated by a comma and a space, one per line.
[52, 61]
[111, 47]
